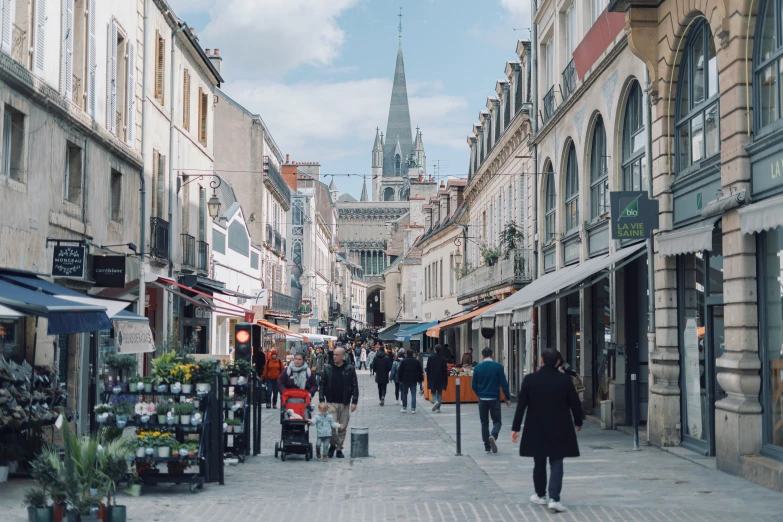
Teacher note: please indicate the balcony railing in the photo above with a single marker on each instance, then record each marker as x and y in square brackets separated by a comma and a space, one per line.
[203, 255]
[275, 179]
[549, 104]
[512, 270]
[159, 238]
[569, 80]
[188, 251]
[283, 303]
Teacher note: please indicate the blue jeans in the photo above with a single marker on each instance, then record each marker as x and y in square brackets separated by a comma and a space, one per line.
[271, 390]
[488, 409]
[405, 387]
[555, 478]
[437, 397]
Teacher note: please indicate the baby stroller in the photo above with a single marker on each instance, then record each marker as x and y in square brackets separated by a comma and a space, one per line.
[295, 432]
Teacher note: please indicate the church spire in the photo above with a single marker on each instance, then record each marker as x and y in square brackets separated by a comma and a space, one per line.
[399, 123]
[378, 145]
[364, 190]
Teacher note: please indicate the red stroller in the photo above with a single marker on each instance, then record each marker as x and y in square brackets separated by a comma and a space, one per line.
[295, 432]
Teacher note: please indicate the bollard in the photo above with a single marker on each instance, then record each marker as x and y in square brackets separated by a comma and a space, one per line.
[635, 411]
[459, 426]
[360, 442]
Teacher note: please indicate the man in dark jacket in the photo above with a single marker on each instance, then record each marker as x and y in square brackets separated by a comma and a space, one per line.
[410, 373]
[381, 365]
[340, 390]
[446, 353]
[437, 377]
[553, 409]
[488, 381]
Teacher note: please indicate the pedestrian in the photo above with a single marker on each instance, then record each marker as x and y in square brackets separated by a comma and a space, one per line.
[340, 389]
[410, 373]
[298, 375]
[317, 365]
[488, 379]
[272, 370]
[437, 377]
[553, 409]
[357, 353]
[382, 366]
[324, 426]
[467, 357]
[394, 375]
[363, 358]
[370, 359]
[446, 353]
[259, 361]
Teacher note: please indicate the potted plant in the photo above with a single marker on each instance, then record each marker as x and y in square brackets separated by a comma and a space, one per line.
[162, 409]
[36, 503]
[47, 470]
[489, 254]
[183, 374]
[232, 425]
[164, 443]
[136, 383]
[103, 412]
[81, 473]
[163, 369]
[203, 374]
[9, 453]
[148, 382]
[123, 407]
[134, 485]
[185, 410]
[84, 509]
[238, 426]
[511, 238]
[122, 364]
[113, 462]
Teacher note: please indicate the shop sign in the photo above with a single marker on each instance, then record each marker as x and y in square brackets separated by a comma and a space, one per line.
[132, 337]
[634, 215]
[68, 261]
[305, 307]
[201, 313]
[767, 173]
[692, 378]
[571, 252]
[108, 271]
[304, 330]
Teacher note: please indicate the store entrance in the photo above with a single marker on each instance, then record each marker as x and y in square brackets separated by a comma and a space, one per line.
[637, 362]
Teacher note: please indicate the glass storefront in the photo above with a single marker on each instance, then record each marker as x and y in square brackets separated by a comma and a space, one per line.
[574, 333]
[602, 338]
[772, 337]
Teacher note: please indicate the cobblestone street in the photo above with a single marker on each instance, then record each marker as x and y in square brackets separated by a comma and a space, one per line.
[414, 475]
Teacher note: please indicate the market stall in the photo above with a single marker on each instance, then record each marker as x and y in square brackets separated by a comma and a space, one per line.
[466, 394]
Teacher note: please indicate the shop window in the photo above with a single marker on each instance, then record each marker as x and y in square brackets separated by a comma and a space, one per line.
[72, 185]
[13, 143]
[599, 174]
[768, 63]
[698, 119]
[572, 191]
[12, 341]
[550, 205]
[634, 141]
[771, 308]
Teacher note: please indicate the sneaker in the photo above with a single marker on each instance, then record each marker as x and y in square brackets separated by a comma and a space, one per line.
[437, 411]
[435, 407]
[331, 451]
[274, 406]
[381, 402]
[397, 401]
[403, 410]
[535, 499]
[557, 507]
[326, 459]
[268, 406]
[493, 445]
[487, 450]
[339, 454]
[318, 453]
[413, 411]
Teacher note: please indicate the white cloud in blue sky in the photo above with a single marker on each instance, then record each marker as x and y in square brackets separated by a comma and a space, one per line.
[319, 71]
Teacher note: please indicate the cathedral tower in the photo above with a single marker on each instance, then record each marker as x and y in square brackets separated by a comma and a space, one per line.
[377, 165]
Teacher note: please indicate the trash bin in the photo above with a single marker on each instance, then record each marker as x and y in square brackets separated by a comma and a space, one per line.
[360, 442]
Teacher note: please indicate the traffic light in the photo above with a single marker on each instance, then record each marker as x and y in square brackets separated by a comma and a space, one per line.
[243, 339]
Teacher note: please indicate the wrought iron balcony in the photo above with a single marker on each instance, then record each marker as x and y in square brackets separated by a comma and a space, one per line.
[188, 251]
[203, 255]
[549, 104]
[569, 80]
[512, 270]
[159, 238]
[274, 180]
[283, 303]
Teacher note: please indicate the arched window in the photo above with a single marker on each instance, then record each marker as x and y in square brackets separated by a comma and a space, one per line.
[767, 62]
[599, 174]
[397, 166]
[388, 194]
[550, 205]
[698, 119]
[634, 141]
[572, 191]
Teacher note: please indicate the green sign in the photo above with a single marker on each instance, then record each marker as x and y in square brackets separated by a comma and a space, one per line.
[634, 215]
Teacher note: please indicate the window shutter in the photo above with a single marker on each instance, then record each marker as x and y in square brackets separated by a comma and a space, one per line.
[39, 40]
[111, 79]
[186, 100]
[382, 301]
[162, 177]
[91, 58]
[202, 117]
[130, 125]
[66, 52]
[155, 183]
[8, 24]
[202, 214]
[160, 60]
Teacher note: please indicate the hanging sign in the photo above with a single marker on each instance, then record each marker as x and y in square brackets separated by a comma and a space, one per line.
[634, 215]
[68, 261]
[108, 271]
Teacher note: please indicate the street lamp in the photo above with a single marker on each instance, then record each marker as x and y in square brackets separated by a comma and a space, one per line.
[214, 206]
[458, 258]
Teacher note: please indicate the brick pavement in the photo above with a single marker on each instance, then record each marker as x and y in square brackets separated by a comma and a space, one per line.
[413, 475]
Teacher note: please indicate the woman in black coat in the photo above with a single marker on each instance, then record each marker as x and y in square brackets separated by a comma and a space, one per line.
[437, 377]
[382, 365]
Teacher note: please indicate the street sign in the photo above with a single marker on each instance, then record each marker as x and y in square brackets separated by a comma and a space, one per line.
[634, 215]
[68, 261]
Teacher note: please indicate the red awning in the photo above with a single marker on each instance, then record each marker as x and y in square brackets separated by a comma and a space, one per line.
[231, 309]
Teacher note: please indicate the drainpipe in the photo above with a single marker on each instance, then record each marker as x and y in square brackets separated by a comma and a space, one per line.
[172, 130]
[534, 96]
[143, 225]
[650, 252]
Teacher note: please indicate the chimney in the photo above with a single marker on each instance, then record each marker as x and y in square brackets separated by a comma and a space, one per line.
[206, 51]
[215, 59]
[287, 158]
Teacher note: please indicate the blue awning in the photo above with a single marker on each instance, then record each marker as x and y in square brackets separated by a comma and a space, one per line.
[64, 317]
[404, 336]
[389, 333]
[130, 317]
[36, 283]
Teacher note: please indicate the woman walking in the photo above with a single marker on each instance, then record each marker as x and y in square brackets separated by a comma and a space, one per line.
[298, 375]
[394, 375]
[363, 358]
[371, 358]
[382, 366]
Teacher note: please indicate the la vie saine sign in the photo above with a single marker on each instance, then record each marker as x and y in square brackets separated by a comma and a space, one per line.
[634, 215]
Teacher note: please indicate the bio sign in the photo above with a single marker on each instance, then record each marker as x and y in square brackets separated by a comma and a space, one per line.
[634, 215]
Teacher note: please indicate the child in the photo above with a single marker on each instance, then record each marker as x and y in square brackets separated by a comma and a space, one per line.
[324, 422]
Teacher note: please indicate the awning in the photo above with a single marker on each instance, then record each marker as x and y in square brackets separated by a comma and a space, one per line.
[313, 338]
[8, 313]
[687, 240]
[112, 307]
[221, 290]
[761, 216]
[456, 321]
[132, 333]
[279, 329]
[171, 286]
[389, 333]
[404, 336]
[64, 316]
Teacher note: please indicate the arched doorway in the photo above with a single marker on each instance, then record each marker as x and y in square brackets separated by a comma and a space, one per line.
[375, 318]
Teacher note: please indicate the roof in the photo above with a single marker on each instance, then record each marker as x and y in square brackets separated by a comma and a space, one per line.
[346, 198]
[398, 126]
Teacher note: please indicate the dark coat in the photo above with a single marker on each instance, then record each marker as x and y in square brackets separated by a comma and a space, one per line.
[410, 370]
[287, 381]
[382, 365]
[553, 408]
[437, 373]
[350, 391]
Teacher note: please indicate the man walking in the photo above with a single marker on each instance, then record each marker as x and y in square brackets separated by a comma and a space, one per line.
[410, 373]
[437, 377]
[553, 409]
[488, 379]
[381, 365]
[340, 390]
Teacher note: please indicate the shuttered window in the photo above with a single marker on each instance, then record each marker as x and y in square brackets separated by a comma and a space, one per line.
[202, 116]
[66, 53]
[39, 38]
[160, 62]
[92, 51]
[158, 184]
[130, 97]
[111, 79]
[186, 100]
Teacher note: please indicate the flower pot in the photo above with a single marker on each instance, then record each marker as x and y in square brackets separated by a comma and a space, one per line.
[115, 514]
[187, 388]
[176, 388]
[224, 379]
[139, 386]
[164, 452]
[3, 474]
[144, 419]
[174, 419]
[140, 453]
[183, 452]
[149, 451]
[40, 514]
[102, 417]
[203, 387]
[148, 387]
[238, 429]
[161, 419]
[89, 518]
[116, 389]
[13, 467]
[184, 419]
[122, 420]
[230, 428]
[240, 404]
[241, 381]
[134, 490]
[59, 512]
[163, 388]
[233, 381]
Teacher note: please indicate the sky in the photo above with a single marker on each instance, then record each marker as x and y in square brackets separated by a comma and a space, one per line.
[319, 72]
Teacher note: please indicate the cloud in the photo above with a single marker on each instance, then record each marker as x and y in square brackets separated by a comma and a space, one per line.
[517, 7]
[270, 37]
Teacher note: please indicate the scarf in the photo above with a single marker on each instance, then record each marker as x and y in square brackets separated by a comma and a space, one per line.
[299, 374]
